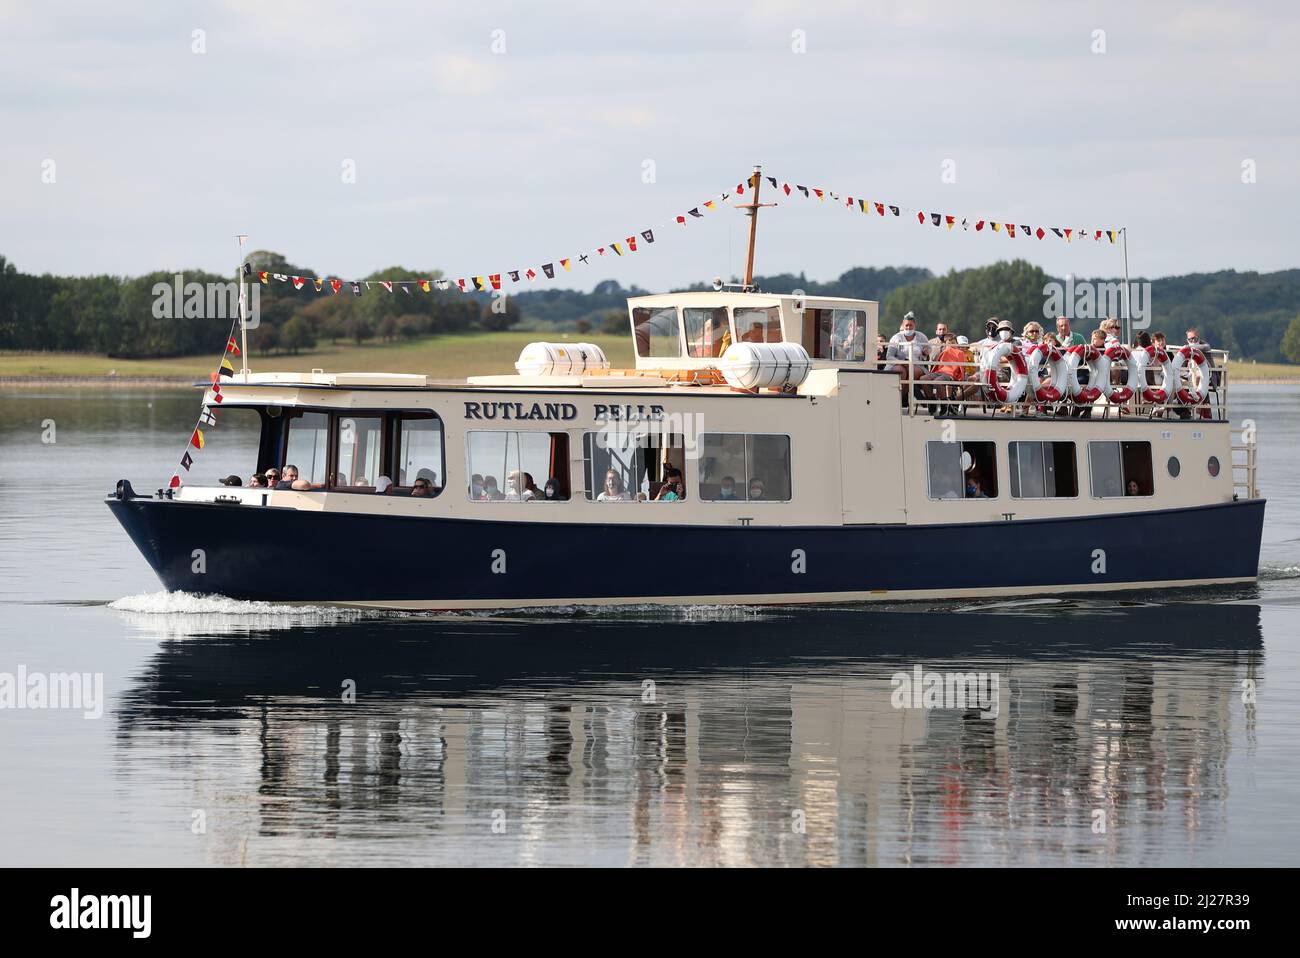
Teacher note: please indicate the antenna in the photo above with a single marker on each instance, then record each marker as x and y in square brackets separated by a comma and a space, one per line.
[243, 311]
[751, 210]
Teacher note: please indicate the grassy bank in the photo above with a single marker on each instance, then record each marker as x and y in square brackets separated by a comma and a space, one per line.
[443, 357]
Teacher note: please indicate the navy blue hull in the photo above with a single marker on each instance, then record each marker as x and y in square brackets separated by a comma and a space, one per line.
[288, 555]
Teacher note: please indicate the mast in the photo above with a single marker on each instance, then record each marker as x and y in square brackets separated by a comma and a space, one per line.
[751, 210]
[1128, 315]
[243, 311]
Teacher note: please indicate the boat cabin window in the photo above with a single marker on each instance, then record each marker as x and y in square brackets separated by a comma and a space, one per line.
[962, 470]
[708, 333]
[509, 466]
[744, 468]
[417, 451]
[839, 335]
[758, 324]
[1043, 470]
[634, 465]
[308, 445]
[656, 332]
[1120, 469]
[360, 452]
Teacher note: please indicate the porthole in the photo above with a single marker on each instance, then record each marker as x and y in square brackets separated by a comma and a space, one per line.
[1213, 465]
[1174, 466]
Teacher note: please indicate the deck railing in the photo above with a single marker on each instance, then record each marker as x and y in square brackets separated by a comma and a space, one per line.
[1244, 470]
[971, 397]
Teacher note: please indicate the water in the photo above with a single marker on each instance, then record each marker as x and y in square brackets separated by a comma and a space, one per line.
[648, 736]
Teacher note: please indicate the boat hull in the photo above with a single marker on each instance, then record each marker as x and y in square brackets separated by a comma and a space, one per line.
[289, 555]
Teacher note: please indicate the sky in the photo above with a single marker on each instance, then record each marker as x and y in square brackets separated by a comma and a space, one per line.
[495, 136]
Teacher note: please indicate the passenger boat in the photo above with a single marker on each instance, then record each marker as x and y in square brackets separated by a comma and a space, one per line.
[755, 454]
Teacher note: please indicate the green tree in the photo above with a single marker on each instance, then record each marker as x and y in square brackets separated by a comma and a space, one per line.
[297, 334]
[1291, 341]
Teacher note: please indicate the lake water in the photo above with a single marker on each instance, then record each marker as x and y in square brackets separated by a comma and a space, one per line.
[701, 737]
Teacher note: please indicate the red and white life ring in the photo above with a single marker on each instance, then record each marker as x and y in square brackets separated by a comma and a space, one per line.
[1190, 356]
[990, 359]
[1116, 352]
[1057, 386]
[1140, 362]
[1086, 356]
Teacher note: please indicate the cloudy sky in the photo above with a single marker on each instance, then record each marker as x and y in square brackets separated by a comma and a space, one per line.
[492, 136]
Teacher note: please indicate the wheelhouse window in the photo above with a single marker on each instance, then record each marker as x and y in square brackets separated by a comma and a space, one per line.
[510, 466]
[839, 335]
[308, 445]
[417, 452]
[656, 332]
[744, 468]
[961, 470]
[758, 324]
[634, 465]
[708, 333]
[1042, 470]
[360, 452]
[1119, 469]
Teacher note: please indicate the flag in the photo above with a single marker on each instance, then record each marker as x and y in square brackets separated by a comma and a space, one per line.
[495, 280]
[936, 218]
[920, 218]
[772, 180]
[186, 461]
[615, 248]
[387, 284]
[424, 285]
[600, 251]
[950, 220]
[819, 194]
[216, 392]
[1057, 232]
[803, 190]
[880, 208]
[356, 288]
[226, 368]
[648, 235]
[262, 276]
[786, 188]
[862, 205]
[232, 347]
[174, 482]
[280, 276]
[1097, 235]
[461, 284]
[549, 270]
[1110, 234]
[297, 281]
[1039, 232]
[479, 283]
[336, 285]
[1068, 231]
[208, 417]
[514, 275]
[631, 243]
[196, 440]
[752, 181]
[248, 269]
[584, 259]
[566, 264]
[892, 209]
[1011, 230]
[979, 225]
[405, 288]
[682, 220]
[997, 227]
[319, 286]
[531, 274]
[740, 189]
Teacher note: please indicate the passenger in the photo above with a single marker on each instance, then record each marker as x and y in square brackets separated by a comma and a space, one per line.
[422, 488]
[288, 478]
[974, 488]
[551, 492]
[1031, 334]
[530, 487]
[947, 368]
[272, 477]
[1065, 335]
[727, 489]
[940, 332]
[1133, 488]
[882, 347]
[476, 486]
[614, 490]
[754, 334]
[755, 490]
[491, 493]
[232, 480]
[673, 488]
[382, 485]
[907, 353]
[517, 488]
[1098, 340]
[426, 474]
[257, 480]
[1110, 327]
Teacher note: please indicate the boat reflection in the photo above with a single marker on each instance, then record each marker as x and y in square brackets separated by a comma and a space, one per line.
[736, 739]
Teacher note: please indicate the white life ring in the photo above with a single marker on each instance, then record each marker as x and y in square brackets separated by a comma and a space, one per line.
[1008, 392]
[1087, 356]
[1057, 387]
[1187, 395]
[1116, 352]
[1142, 360]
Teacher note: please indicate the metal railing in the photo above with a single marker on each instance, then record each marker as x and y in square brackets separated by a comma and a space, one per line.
[1245, 472]
[970, 396]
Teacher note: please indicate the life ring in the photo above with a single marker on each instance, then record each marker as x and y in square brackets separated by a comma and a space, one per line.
[1115, 353]
[1057, 387]
[1142, 360]
[1087, 356]
[1008, 392]
[1187, 395]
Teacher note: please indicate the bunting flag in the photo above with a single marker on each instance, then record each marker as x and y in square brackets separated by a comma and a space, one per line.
[336, 285]
[566, 264]
[196, 439]
[1025, 230]
[495, 280]
[232, 347]
[631, 244]
[186, 461]
[424, 285]
[386, 283]
[615, 248]
[298, 282]
[262, 276]
[226, 368]
[648, 235]
[208, 417]
[514, 275]
[549, 270]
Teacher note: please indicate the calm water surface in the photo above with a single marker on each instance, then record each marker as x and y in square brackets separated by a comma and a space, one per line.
[715, 736]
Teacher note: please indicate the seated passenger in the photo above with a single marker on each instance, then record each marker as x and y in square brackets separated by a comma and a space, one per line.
[422, 488]
[272, 477]
[476, 486]
[1133, 488]
[490, 491]
[232, 480]
[429, 476]
[552, 491]
[257, 480]
[974, 488]
[530, 488]
[613, 490]
[673, 488]
[947, 368]
[727, 490]
[382, 485]
[517, 488]
[288, 478]
[755, 489]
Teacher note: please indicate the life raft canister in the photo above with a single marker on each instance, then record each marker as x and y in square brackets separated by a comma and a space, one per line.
[1143, 359]
[1190, 356]
[1008, 392]
[1085, 355]
[1058, 387]
[1115, 352]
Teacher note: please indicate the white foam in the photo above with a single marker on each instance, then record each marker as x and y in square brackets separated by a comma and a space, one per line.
[1279, 572]
[178, 614]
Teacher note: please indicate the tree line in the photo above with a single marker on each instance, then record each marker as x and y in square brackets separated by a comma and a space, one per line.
[1253, 315]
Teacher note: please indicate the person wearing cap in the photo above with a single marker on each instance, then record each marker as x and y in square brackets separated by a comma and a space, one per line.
[907, 348]
[382, 485]
[232, 480]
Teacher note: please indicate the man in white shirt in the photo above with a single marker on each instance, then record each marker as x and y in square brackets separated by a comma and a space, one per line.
[908, 346]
